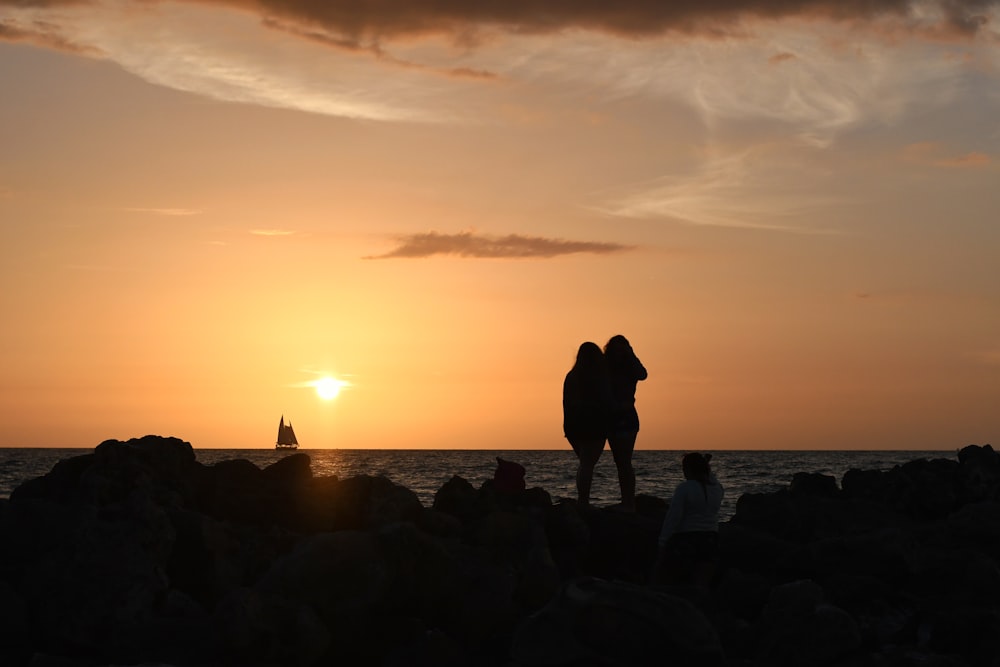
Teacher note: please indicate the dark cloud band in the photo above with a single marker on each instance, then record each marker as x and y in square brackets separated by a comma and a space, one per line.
[352, 22]
[384, 18]
[467, 244]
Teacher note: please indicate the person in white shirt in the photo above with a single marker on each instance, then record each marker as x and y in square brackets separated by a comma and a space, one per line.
[689, 539]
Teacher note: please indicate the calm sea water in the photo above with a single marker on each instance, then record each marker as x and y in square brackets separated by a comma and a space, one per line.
[425, 471]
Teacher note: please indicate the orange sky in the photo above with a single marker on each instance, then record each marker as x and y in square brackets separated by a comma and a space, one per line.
[207, 206]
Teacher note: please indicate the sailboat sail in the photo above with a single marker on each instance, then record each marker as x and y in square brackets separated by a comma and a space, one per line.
[286, 436]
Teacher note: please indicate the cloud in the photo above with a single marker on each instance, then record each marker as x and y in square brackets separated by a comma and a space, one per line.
[433, 62]
[464, 21]
[781, 57]
[934, 154]
[469, 244]
[749, 189]
[44, 34]
[374, 49]
[348, 23]
[272, 232]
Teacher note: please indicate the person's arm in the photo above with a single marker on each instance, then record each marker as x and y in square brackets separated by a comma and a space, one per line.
[638, 370]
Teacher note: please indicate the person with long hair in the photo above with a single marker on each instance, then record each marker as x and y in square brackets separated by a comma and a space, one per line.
[586, 409]
[689, 538]
[625, 371]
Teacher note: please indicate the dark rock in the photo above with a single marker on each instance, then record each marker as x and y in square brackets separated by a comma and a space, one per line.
[210, 558]
[569, 538]
[975, 454]
[15, 631]
[519, 540]
[977, 525]
[289, 473]
[801, 629]
[596, 622]
[343, 575]
[356, 503]
[138, 554]
[58, 485]
[458, 498]
[651, 506]
[964, 576]
[980, 474]
[257, 629]
[878, 553]
[744, 594]
[758, 551]
[99, 579]
[929, 489]
[432, 648]
[865, 485]
[622, 545]
[440, 524]
[972, 633]
[813, 484]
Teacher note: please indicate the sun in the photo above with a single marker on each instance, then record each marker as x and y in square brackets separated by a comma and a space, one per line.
[328, 388]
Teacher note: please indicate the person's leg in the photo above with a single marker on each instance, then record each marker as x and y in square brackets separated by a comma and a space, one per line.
[707, 558]
[588, 450]
[622, 445]
[667, 570]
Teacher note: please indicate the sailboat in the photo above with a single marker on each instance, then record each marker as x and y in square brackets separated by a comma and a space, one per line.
[286, 436]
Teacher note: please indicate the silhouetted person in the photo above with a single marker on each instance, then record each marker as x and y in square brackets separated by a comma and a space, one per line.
[586, 408]
[689, 539]
[509, 476]
[625, 371]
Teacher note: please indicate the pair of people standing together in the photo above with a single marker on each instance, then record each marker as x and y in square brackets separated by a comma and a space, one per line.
[599, 407]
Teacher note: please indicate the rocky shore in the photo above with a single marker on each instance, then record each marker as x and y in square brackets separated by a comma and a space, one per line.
[139, 554]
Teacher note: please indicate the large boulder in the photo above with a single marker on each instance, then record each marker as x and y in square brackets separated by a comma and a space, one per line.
[357, 503]
[161, 467]
[615, 624]
[459, 498]
[257, 629]
[518, 541]
[801, 628]
[100, 578]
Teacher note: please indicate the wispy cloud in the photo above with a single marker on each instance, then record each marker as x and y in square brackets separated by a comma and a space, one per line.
[373, 48]
[935, 154]
[778, 58]
[469, 244]
[42, 33]
[272, 232]
[385, 60]
[742, 190]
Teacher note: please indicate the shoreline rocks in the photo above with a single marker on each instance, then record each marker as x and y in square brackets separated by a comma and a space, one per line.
[137, 554]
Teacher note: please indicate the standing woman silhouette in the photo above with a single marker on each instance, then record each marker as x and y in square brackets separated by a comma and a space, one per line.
[625, 371]
[587, 402]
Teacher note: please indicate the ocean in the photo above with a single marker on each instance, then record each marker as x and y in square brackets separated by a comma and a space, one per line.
[424, 471]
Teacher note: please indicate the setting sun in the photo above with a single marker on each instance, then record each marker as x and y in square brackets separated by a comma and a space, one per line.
[327, 388]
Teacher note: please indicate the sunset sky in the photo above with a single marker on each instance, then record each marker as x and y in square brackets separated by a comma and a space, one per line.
[790, 207]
